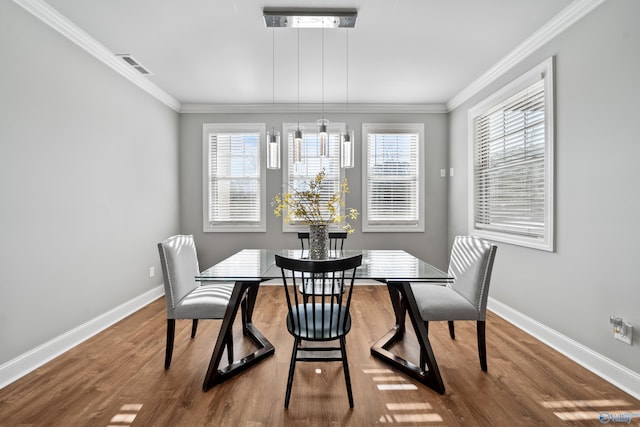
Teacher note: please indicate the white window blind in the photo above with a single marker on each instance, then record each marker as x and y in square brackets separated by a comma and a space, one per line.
[297, 175]
[511, 166]
[234, 196]
[392, 180]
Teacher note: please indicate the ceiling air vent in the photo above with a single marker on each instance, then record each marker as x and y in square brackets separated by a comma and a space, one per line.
[135, 64]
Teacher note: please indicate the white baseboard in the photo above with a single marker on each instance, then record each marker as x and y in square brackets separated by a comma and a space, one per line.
[618, 375]
[29, 361]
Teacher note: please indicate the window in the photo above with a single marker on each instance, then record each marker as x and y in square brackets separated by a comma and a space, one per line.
[295, 175]
[234, 177]
[393, 177]
[511, 155]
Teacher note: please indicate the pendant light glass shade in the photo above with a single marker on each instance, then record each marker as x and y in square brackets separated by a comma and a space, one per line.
[347, 144]
[323, 138]
[273, 150]
[297, 146]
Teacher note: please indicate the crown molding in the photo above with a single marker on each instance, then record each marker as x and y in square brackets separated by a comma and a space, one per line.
[68, 29]
[559, 23]
[567, 17]
[313, 108]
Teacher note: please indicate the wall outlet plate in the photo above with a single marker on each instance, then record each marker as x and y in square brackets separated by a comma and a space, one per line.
[626, 338]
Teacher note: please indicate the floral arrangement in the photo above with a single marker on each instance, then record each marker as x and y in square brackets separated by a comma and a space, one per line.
[307, 204]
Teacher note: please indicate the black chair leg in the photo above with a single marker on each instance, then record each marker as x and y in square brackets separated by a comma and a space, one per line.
[482, 344]
[230, 347]
[452, 331]
[345, 366]
[243, 309]
[423, 360]
[171, 328]
[292, 367]
[194, 328]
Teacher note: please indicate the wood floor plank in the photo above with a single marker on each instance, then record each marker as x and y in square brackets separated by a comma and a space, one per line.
[117, 378]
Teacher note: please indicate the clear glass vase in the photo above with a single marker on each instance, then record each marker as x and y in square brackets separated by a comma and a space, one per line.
[318, 241]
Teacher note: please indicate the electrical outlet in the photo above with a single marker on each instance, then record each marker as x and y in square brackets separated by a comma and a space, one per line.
[152, 271]
[628, 333]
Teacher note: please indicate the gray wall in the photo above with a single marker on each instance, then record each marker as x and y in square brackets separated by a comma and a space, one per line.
[213, 247]
[88, 185]
[593, 273]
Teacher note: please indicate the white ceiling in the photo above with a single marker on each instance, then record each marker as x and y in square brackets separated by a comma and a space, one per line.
[401, 51]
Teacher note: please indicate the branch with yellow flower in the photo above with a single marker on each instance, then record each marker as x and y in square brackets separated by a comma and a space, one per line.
[307, 205]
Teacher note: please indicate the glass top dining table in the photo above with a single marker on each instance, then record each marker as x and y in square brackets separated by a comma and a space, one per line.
[377, 264]
[398, 269]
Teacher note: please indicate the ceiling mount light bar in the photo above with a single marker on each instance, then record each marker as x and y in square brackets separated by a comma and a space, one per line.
[309, 18]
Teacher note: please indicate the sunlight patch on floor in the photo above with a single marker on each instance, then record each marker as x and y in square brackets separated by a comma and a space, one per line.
[126, 415]
[418, 406]
[603, 410]
[377, 371]
[410, 418]
[555, 404]
[414, 413]
[388, 378]
[605, 417]
[417, 418]
[383, 387]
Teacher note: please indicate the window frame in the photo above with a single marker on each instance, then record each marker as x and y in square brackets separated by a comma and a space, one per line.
[544, 71]
[335, 130]
[234, 226]
[410, 128]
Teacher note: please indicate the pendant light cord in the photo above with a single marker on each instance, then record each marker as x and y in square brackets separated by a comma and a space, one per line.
[273, 68]
[346, 126]
[298, 33]
[323, 70]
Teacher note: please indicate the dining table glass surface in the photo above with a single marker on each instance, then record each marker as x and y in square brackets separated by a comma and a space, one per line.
[377, 264]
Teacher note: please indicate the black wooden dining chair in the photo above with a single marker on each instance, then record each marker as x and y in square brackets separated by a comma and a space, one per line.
[325, 317]
[336, 240]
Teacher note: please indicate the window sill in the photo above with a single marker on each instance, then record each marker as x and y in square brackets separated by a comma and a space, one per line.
[527, 242]
[234, 229]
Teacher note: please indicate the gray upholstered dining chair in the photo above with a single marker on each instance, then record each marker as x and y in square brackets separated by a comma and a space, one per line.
[325, 317]
[470, 266]
[185, 297]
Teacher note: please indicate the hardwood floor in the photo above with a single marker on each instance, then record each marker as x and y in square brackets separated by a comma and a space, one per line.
[117, 378]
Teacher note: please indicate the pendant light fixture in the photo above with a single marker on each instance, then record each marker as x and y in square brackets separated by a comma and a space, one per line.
[297, 135]
[347, 139]
[310, 17]
[316, 18]
[273, 138]
[323, 135]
